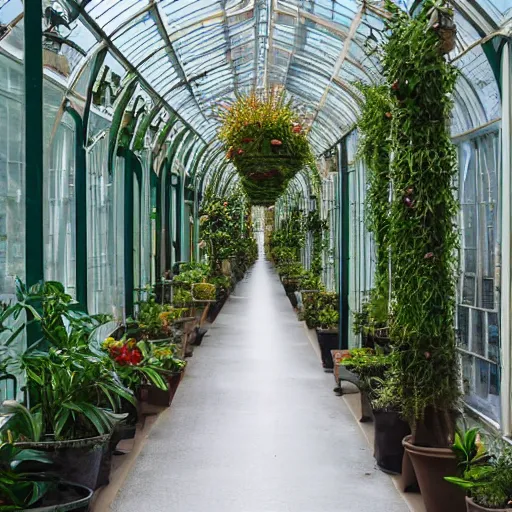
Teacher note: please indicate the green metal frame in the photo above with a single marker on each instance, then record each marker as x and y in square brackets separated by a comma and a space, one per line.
[132, 168]
[343, 241]
[34, 150]
[80, 209]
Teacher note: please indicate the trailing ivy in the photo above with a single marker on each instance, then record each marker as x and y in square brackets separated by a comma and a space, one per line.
[374, 148]
[422, 237]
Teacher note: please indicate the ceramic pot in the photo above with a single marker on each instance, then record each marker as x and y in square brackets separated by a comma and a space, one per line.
[66, 497]
[473, 507]
[390, 431]
[430, 466]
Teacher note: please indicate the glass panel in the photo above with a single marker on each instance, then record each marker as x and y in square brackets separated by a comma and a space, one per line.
[12, 177]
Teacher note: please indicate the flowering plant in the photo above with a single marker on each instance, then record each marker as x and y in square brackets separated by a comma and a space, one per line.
[132, 362]
[123, 352]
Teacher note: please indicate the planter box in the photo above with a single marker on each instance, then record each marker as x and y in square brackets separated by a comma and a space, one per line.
[79, 461]
[328, 341]
[292, 298]
[390, 430]
[156, 396]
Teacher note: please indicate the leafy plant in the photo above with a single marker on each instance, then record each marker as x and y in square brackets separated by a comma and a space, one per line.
[181, 297]
[163, 357]
[73, 392]
[321, 309]
[310, 281]
[203, 291]
[487, 479]
[373, 318]
[20, 489]
[422, 237]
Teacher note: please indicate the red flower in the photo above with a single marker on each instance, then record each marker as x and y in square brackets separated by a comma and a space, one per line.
[126, 356]
[276, 142]
[225, 204]
[395, 85]
[247, 140]
[240, 151]
[297, 128]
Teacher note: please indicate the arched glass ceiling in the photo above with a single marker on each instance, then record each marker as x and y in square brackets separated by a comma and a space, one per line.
[193, 54]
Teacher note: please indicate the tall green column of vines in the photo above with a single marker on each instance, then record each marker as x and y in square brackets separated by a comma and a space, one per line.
[374, 148]
[423, 238]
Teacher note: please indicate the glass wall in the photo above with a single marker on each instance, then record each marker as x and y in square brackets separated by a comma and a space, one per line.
[478, 310]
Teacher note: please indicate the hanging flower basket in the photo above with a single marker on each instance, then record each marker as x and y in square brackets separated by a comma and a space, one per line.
[266, 143]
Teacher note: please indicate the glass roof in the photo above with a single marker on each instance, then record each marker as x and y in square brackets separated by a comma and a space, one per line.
[195, 54]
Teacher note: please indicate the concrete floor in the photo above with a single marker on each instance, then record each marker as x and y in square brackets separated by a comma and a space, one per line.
[255, 426]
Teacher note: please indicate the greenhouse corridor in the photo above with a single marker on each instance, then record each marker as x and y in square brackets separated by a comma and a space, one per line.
[255, 255]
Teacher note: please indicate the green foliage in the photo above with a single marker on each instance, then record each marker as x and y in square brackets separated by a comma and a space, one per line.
[321, 310]
[20, 489]
[373, 317]
[265, 142]
[487, 479]
[162, 356]
[370, 366]
[72, 391]
[317, 227]
[422, 236]
[311, 281]
[181, 297]
[226, 231]
[286, 242]
[186, 278]
[203, 291]
[149, 319]
[374, 148]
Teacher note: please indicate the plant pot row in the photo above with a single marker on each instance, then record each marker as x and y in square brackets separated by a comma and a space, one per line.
[87, 462]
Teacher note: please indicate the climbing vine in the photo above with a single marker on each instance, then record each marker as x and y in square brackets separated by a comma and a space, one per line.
[374, 148]
[422, 235]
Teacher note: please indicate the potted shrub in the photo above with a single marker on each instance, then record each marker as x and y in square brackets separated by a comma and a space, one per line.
[423, 241]
[487, 479]
[326, 324]
[22, 487]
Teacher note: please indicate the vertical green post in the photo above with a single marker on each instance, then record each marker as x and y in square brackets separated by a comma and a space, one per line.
[34, 244]
[81, 209]
[344, 233]
[33, 35]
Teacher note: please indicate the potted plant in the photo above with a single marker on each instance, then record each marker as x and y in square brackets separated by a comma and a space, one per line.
[423, 242]
[486, 478]
[204, 292]
[71, 420]
[24, 488]
[75, 392]
[171, 367]
[326, 325]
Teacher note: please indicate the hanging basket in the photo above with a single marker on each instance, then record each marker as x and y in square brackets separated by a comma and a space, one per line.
[265, 177]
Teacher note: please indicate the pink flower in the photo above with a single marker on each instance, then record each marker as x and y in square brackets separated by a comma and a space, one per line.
[429, 255]
[276, 142]
[427, 355]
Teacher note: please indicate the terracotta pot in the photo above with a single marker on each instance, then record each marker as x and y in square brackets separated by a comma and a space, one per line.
[390, 430]
[473, 507]
[431, 465]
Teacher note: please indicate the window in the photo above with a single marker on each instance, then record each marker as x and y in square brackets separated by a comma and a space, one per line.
[478, 315]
